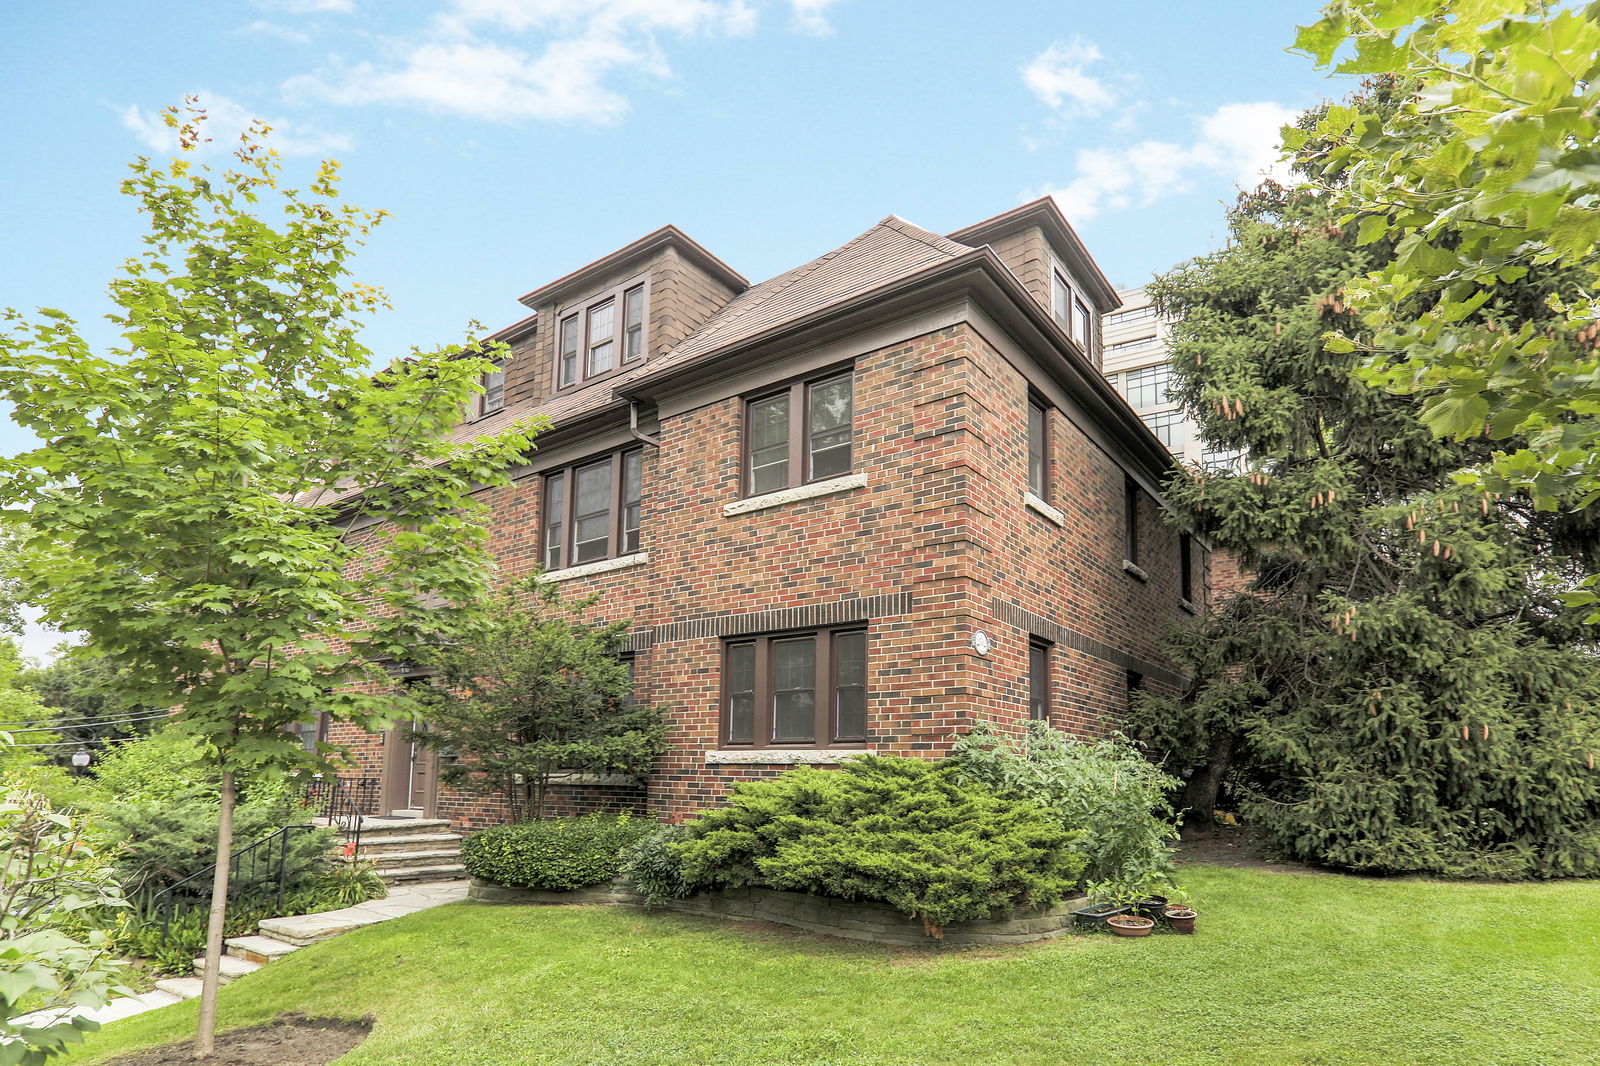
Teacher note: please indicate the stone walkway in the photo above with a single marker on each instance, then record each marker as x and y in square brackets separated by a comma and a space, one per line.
[290, 933]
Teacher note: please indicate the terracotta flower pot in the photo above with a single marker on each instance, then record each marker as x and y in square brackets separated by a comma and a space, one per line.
[1130, 925]
[1180, 919]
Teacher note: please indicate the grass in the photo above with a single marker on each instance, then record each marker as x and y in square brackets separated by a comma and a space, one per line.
[1286, 968]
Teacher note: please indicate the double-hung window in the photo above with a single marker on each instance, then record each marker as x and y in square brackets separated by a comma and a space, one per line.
[800, 434]
[1038, 449]
[601, 336]
[592, 510]
[1061, 299]
[1130, 521]
[796, 689]
[1039, 679]
[494, 392]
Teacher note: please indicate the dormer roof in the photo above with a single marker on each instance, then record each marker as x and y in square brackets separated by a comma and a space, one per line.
[1044, 213]
[624, 259]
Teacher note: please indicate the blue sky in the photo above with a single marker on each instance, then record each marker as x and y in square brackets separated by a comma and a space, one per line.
[515, 140]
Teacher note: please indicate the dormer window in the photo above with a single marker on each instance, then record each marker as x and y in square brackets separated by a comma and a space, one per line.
[588, 341]
[1061, 300]
[494, 391]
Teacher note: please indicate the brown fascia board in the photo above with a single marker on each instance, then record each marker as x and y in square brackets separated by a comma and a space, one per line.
[979, 271]
[639, 249]
[1044, 213]
[516, 331]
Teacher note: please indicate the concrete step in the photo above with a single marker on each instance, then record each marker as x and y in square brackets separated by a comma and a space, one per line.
[303, 929]
[261, 949]
[395, 875]
[373, 847]
[180, 987]
[232, 968]
[382, 827]
[402, 859]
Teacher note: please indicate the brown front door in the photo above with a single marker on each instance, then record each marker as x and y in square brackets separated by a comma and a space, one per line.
[408, 780]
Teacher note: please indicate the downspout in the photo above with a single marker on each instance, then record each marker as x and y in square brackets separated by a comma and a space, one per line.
[633, 425]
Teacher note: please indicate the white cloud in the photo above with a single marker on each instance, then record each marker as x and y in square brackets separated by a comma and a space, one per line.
[37, 641]
[555, 60]
[225, 120]
[1238, 142]
[811, 16]
[1058, 76]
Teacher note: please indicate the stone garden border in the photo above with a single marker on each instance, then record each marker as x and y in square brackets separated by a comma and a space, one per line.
[850, 919]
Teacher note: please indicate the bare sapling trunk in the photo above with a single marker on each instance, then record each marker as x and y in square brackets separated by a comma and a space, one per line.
[206, 1037]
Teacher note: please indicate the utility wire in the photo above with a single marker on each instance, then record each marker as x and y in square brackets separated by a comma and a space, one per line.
[86, 723]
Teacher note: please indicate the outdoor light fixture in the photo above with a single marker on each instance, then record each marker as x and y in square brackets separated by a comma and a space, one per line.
[81, 758]
[981, 642]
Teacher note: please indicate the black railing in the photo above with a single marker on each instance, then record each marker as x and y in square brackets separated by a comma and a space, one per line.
[257, 874]
[343, 803]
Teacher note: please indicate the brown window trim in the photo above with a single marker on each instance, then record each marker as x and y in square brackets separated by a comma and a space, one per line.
[616, 509]
[799, 392]
[1040, 667]
[484, 410]
[826, 682]
[1041, 490]
[580, 311]
[1130, 520]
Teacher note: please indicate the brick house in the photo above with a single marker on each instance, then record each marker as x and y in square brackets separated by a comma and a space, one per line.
[852, 507]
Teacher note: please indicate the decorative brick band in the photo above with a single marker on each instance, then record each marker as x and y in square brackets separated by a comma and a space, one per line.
[1009, 612]
[853, 609]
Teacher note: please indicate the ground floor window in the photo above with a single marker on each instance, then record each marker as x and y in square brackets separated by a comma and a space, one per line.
[1039, 679]
[796, 689]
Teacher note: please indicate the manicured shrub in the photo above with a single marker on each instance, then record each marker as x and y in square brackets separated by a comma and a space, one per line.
[906, 831]
[656, 868]
[558, 854]
[1106, 789]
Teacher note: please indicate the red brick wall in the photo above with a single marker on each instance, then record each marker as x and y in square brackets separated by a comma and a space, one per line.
[941, 438]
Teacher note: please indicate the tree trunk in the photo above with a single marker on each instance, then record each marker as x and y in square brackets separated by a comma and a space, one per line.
[1199, 796]
[206, 1036]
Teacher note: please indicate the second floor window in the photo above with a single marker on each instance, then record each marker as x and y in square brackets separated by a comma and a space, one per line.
[1130, 521]
[803, 433]
[1186, 567]
[592, 510]
[600, 337]
[494, 391]
[1061, 300]
[1038, 450]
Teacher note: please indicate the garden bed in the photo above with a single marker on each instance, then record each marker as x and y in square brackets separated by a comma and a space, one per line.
[850, 919]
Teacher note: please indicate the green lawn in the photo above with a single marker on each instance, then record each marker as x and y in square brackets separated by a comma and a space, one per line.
[1287, 968]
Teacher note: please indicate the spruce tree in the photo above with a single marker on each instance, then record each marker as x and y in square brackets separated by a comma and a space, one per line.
[1401, 688]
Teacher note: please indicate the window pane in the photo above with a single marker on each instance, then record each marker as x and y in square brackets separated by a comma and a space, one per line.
[555, 509]
[741, 693]
[1185, 566]
[831, 403]
[850, 686]
[1061, 300]
[769, 444]
[1038, 461]
[794, 693]
[1080, 325]
[602, 323]
[1148, 386]
[494, 391]
[591, 513]
[569, 350]
[633, 324]
[1038, 681]
[631, 464]
[1130, 522]
[1168, 425]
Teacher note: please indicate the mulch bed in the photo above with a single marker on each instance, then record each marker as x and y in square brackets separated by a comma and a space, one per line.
[292, 1040]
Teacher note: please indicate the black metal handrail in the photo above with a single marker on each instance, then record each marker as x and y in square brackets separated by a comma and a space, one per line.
[343, 803]
[270, 854]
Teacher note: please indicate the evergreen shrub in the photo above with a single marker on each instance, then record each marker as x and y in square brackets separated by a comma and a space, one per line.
[905, 831]
[656, 868]
[557, 854]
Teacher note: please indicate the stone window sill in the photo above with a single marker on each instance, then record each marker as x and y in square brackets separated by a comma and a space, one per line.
[1135, 570]
[783, 756]
[602, 566]
[795, 495]
[1035, 503]
[1188, 606]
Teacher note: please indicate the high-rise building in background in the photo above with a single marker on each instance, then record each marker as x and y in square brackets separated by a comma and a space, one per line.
[1136, 361]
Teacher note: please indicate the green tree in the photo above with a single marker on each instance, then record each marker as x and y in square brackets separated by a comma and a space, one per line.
[1483, 177]
[534, 694]
[23, 716]
[231, 501]
[1403, 689]
[10, 583]
[84, 694]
